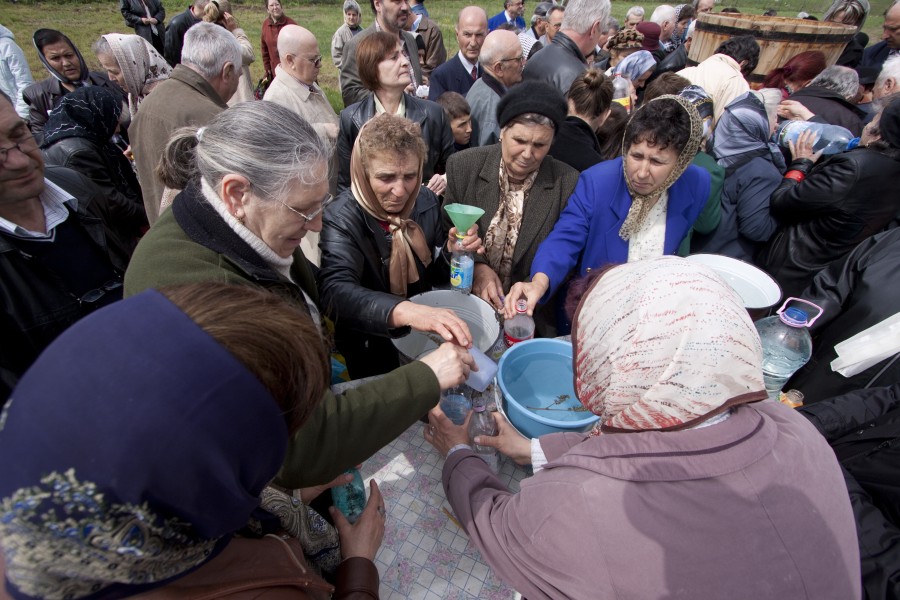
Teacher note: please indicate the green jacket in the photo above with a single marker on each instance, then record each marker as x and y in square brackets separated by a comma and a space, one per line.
[344, 430]
[711, 214]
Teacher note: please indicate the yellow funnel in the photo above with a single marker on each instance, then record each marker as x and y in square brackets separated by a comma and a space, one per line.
[463, 216]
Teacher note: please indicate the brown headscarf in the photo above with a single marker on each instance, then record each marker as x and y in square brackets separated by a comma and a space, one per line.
[408, 241]
[641, 205]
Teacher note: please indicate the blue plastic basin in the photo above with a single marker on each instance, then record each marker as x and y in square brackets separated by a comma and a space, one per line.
[538, 374]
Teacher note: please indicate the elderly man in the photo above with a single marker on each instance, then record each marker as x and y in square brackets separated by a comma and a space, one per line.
[511, 14]
[295, 88]
[634, 16]
[704, 6]
[554, 22]
[460, 72]
[563, 60]
[58, 259]
[830, 97]
[501, 59]
[196, 91]
[538, 27]
[874, 56]
[390, 16]
[435, 54]
[664, 16]
[275, 21]
[178, 26]
[888, 81]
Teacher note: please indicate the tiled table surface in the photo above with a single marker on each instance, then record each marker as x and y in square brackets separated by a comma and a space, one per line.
[425, 554]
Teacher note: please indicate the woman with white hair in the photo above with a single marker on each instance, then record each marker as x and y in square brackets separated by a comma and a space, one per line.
[132, 63]
[691, 484]
[753, 167]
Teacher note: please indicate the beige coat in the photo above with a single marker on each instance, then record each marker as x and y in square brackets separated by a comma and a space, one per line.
[245, 86]
[721, 77]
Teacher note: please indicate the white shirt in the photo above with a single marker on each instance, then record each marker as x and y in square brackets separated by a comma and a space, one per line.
[649, 241]
[465, 63]
[54, 200]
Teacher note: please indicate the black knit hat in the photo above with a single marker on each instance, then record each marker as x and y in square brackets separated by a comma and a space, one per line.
[532, 97]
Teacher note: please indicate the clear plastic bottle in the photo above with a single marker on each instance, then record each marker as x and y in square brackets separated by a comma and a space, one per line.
[456, 402]
[621, 92]
[830, 139]
[350, 498]
[520, 327]
[786, 345]
[462, 268]
[483, 423]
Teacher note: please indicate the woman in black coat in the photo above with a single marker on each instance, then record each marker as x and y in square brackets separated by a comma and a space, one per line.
[382, 242]
[77, 136]
[386, 71]
[146, 18]
[827, 209]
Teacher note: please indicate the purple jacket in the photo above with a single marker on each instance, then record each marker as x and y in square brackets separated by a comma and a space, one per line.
[753, 507]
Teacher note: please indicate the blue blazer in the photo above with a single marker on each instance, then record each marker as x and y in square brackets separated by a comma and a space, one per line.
[587, 232]
[450, 77]
[875, 55]
[500, 19]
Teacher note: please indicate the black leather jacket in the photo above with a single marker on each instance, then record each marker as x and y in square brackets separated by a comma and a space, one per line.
[843, 200]
[43, 96]
[36, 304]
[558, 64]
[354, 279]
[430, 117]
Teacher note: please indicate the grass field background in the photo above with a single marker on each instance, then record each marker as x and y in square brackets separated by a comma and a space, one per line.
[84, 22]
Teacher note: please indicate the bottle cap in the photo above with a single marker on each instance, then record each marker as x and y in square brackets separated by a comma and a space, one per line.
[853, 143]
[521, 306]
[795, 317]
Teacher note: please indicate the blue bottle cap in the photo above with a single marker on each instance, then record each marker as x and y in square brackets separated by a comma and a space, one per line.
[795, 317]
[853, 143]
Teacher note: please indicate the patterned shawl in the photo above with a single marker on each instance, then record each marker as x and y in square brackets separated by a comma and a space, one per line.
[142, 66]
[141, 445]
[663, 344]
[407, 241]
[742, 133]
[635, 65]
[640, 205]
[503, 230]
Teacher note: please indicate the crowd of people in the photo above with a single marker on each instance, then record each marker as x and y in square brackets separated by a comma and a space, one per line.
[189, 261]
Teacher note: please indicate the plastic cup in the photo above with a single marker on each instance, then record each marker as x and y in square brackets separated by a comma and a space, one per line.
[479, 380]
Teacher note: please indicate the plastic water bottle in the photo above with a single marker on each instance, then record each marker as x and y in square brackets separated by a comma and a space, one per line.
[456, 404]
[786, 344]
[462, 268]
[830, 139]
[483, 423]
[621, 93]
[520, 327]
[350, 498]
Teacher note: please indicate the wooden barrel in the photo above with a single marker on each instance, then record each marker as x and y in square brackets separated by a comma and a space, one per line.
[779, 38]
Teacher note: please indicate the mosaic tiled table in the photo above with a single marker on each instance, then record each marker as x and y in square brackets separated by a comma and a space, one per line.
[425, 554]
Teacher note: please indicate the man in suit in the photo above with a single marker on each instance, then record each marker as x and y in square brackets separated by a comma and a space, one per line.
[511, 13]
[178, 26]
[460, 72]
[874, 56]
[390, 16]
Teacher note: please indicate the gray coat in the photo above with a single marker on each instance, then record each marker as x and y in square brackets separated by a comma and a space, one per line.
[352, 88]
[483, 98]
[473, 178]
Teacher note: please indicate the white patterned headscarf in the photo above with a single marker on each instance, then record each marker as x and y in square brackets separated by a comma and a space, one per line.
[663, 344]
[142, 66]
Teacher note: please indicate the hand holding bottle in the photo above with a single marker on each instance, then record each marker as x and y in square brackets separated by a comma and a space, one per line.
[471, 242]
[531, 291]
[363, 538]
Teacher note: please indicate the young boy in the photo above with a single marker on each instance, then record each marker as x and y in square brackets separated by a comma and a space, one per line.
[459, 114]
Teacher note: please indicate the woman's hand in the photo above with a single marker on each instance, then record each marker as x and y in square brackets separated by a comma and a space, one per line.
[804, 146]
[470, 242]
[308, 494]
[437, 184]
[791, 109]
[441, 321]
[486, 285]
[508, 441]
[531, 291]
[229, 21]
[451, 365]
[363, 538]
[443, 434]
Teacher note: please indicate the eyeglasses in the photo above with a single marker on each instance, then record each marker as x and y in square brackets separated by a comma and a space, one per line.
[92, 296]
[25, 146]
[317, 61]
[311, 216]
[518, 58]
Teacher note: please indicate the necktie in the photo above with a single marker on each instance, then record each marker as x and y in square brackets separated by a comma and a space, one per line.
[474, 73]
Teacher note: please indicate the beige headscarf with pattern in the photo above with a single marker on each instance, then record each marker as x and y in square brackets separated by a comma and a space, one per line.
[641, 205]
[663, 344]
[142, 66]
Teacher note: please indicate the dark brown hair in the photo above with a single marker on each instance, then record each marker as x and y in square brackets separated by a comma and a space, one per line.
[454, 105]
[665, 83]
[591, 93]
[275, 340]
[372, 50]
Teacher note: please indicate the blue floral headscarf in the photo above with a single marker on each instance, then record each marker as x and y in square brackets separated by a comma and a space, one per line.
[742, 134]
[635, 65]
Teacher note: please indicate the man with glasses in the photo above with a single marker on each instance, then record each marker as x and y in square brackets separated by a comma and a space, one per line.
[554, 23]
[391, 16]
[501, 60]
[58, 259]
[295, 88]
[275, 21]
[584, 24]
[512, 13]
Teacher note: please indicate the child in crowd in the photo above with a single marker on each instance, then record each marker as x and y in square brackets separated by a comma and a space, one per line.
[459, 114]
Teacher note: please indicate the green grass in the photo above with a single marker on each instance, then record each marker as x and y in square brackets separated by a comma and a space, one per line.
[85, 22]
